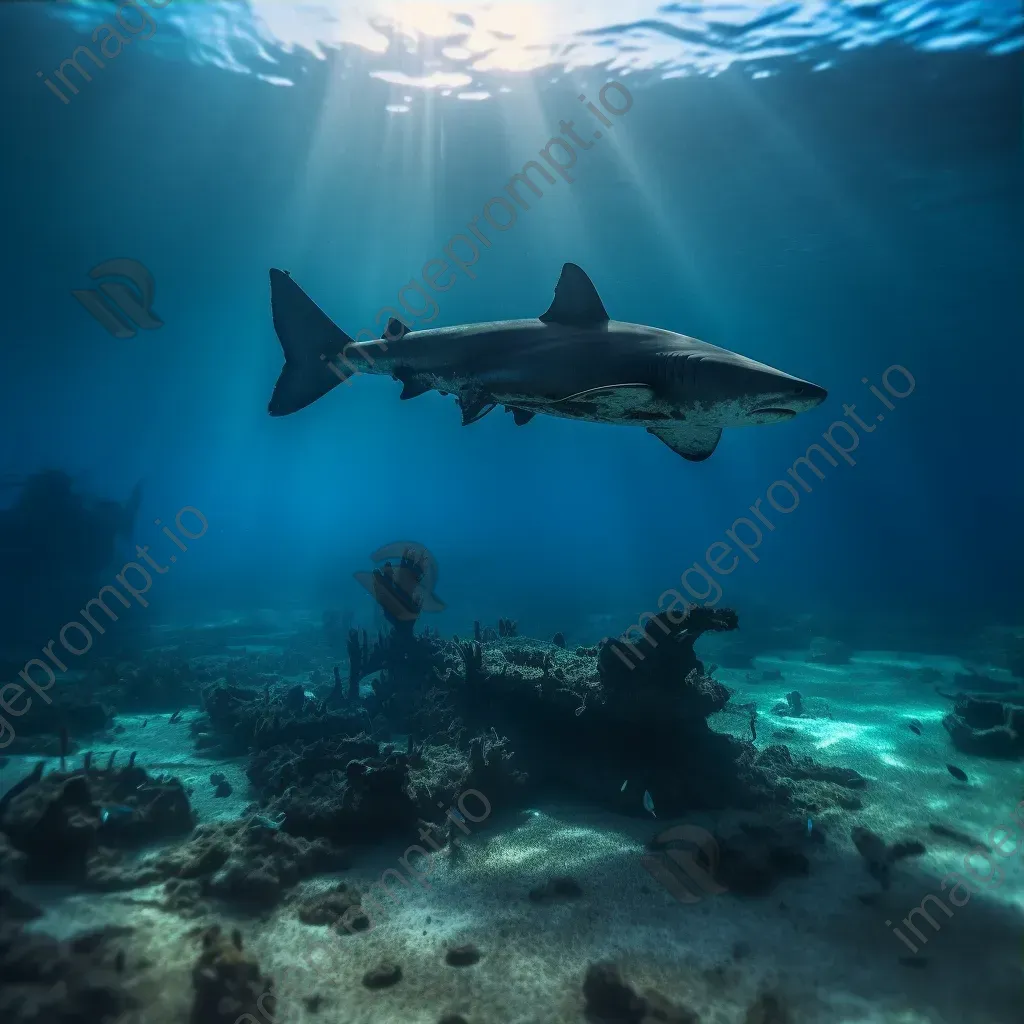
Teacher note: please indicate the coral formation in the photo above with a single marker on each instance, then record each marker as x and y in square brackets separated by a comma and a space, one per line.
[228, 984]
[61, 820]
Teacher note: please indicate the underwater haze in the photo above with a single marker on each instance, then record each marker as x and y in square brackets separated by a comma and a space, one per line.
[457, 563]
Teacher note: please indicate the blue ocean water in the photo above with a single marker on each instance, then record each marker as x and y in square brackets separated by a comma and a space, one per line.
[830, 188]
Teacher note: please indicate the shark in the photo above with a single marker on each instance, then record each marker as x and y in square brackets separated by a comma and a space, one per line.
[572, 361]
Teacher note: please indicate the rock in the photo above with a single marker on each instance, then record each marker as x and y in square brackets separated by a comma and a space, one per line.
[223, 789]
[228, 983]
[986, 728]
[384, 975]
[331, 908]
[247, 861]
[610, 1000]
[462, 956]
[80, 981]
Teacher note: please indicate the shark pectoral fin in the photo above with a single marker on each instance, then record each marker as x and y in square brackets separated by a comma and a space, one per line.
[521, 416]
[576, 300]
[612, 400]
[475, 408]
[695, 443]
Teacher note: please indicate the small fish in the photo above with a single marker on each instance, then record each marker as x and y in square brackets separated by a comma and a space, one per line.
[958, 773]
[915, 726]
[810, 826]
[624, 785]
[116, 812]
[649, 803]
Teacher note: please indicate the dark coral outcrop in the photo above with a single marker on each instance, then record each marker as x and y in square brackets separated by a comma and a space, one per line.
[987, 728]
[63, 819]
[228, 983]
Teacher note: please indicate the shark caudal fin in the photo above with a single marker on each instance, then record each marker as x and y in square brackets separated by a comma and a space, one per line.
[313, 347]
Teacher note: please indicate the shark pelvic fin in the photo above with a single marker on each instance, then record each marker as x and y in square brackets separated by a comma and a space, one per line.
[521, 416]
[395, 330]
[412, 388]
[694, 443]
[576, 301]
[474, 408]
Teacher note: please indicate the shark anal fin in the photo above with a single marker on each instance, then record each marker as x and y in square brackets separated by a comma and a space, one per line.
[521, 416]
[474, 409]
[614, 400]
[694, 443]
[576, 300]
[395, 330]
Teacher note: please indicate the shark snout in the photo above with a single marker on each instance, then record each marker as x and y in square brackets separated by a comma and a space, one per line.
[788, 400]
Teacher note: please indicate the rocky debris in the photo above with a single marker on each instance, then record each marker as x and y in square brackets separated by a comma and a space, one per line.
[793, 708]
[755, 859]
[462, 956]
[79, 981]
[249, 862]
[60, 820]
[331, 907]
[748, 861]
[384, 975]
[781, 762]
[879, 856]
[228, 984]
[986, 728]
[222, 787]
[610, 1000]
[555, 889]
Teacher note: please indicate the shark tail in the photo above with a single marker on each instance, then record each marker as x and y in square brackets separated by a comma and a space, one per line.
[314, 348]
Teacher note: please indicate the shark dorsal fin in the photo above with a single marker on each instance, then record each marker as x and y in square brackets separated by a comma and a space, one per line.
[395, 330]
[576, 300]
